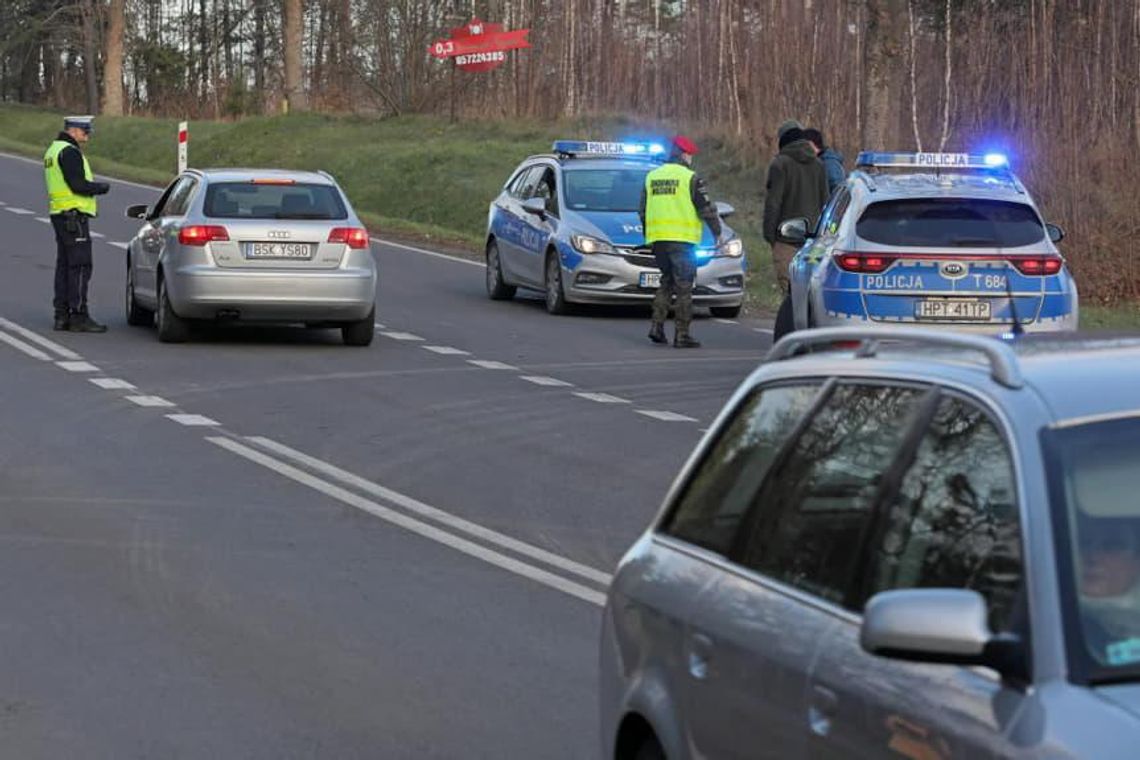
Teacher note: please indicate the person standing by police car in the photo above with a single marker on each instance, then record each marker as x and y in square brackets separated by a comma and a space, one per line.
[71, 198]
[674, 209]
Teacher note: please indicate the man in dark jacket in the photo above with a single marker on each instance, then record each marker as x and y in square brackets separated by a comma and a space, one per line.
[797, 186]
[71, 199]
[831, 159]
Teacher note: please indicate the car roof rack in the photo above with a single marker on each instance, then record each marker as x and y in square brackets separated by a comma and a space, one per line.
[1004, 366]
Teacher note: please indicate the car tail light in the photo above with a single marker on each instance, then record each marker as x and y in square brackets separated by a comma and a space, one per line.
[200, 234]
[353, 237]
[863, 263]
[1037, 265]
[273, 181]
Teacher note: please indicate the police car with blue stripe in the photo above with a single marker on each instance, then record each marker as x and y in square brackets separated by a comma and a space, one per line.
[566, 224]
[937, 239]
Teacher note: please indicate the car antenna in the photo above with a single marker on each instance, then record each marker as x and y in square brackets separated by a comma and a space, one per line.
[1017, 328]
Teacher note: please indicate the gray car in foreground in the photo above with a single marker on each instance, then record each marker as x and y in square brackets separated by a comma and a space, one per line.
[927, 548]
[251, 245]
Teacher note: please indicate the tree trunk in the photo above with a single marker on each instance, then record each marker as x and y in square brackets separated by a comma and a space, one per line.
[293, 34]
[884, 73]
[89, 13]
[113, 64]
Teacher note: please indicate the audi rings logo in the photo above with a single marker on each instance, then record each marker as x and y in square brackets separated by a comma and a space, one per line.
[952, 270]
[279, 234]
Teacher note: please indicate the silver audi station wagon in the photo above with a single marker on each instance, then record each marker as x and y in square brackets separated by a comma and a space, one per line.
[252, 245]
[925, 547]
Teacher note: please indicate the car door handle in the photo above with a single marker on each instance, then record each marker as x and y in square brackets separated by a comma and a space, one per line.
[700, 655]
[824, 704]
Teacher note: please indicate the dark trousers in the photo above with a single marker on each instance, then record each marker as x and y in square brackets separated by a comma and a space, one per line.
[678, 266]
[73, 263]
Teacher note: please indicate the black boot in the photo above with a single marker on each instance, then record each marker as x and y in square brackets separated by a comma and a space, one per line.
[684, 340]
[61, 321]
[657, 333]
[82, 322]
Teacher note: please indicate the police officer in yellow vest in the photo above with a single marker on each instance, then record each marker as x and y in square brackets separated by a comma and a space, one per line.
[71, 196]
[674, 210]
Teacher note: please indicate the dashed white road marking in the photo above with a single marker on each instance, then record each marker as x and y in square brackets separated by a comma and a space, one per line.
[553, 382]
[433, 513]
[43, 219]
[18, 210]
[666, 416]
[117, 244]
[413, 525]
[602, 398]
[35, 337]
[401, 336]
[155, 401]
[112, 384]
[378, 326]
[726, 321]
[447, 350]
[192, 420]
[26, 348]
[2, 203]
[78, 366]
[98, 235]
[487, 364]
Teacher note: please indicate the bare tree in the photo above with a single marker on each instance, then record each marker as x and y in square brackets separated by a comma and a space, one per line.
[113, 62]
[884, 73]
[293, 41]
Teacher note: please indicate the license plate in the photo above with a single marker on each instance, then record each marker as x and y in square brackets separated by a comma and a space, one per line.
[278, 251]
[650, 280]
[950, 308]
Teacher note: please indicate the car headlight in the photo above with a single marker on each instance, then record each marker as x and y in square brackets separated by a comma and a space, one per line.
[587, 244]
[733, 248]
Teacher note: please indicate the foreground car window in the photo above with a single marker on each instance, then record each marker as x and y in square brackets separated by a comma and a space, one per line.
[709, 512]
[604, 189]
[950, 222]
[1095, 490]
[954, 521]
[246, 200]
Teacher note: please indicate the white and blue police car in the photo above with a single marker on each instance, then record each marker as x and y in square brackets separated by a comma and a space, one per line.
[948, 240]
[566, 224]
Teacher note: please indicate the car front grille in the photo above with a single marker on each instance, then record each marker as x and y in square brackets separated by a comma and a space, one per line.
[640, 257]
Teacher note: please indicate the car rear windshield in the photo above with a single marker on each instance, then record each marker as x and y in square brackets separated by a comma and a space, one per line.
[604, 189]
[249, 200]
[951, 222]
[1095, 473]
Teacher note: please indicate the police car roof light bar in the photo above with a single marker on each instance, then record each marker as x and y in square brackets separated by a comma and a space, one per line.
[934, 161]
[647, 150]
[1004, 367]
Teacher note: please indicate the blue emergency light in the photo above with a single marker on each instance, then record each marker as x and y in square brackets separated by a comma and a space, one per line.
[625, 149]
[933, 161]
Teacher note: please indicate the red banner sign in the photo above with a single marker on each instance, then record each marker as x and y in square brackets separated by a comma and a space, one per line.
[478, 46]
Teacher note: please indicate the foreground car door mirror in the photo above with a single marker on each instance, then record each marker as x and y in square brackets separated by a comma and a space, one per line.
[536, 206]
[794, 231]
[1056, 234]
[724, 209]
[137, 211]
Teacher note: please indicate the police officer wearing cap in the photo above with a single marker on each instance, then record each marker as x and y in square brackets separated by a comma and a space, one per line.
[674, 209]
[71, 196]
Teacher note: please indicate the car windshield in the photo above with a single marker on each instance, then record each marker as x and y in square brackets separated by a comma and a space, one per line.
[951, 222]
[617, 189]
[249, 200]
[1095, 473]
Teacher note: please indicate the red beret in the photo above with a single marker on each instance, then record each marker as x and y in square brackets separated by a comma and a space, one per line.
[685, 145]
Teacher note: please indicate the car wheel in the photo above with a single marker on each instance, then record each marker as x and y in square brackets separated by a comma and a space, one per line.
[359, 333]
[497, 290]
[555, 296]
[171, 327]
[725, 312]
[137, 316]
[785, 322]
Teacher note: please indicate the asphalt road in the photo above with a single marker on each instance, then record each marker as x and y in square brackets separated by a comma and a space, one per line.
[266, 544]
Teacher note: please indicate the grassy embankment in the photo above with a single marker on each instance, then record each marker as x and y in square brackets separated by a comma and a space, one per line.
[417, 178]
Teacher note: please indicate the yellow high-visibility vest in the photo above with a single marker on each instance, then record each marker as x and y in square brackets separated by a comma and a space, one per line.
[60, 197]
[669, 210]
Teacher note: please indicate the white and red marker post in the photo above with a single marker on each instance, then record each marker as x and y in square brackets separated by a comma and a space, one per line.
[183, 140]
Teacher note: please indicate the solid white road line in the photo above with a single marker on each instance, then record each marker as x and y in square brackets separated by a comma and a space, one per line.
[43, 219]
[20, 345]
[35, 337]
[603, 398]
[429, 253]
[401, 336]
[78, 366]
[98, 235]
[155, 401]
[410, 524]
[552, 382]
[665, 416]
[485, 364]
[447, 350]
[112, 384]
[40, 163]
[20, 211]
[192, 420]
[434, 513]
[117, 244]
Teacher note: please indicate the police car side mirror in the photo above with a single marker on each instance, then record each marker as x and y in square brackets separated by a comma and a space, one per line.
[794, 231]
[1056, 234]
[536, 206]
[137, 212]
[724, 209]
